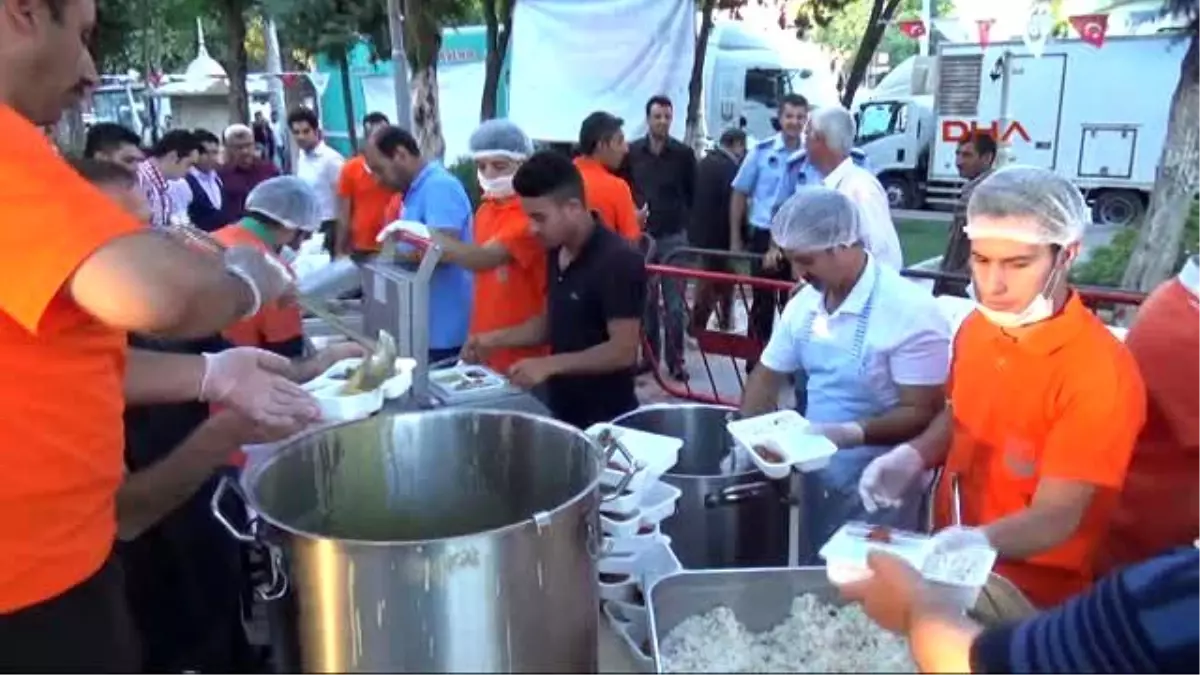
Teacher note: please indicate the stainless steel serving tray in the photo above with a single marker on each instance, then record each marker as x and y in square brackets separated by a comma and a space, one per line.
[762, 598]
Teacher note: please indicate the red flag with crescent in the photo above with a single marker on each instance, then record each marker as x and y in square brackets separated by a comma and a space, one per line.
[985, 31]
[1092, 28]
[912, 28]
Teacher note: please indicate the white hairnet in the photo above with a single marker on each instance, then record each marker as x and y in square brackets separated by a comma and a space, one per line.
[814, 219]
[499, 137]
[1038, 206]
[286, 200]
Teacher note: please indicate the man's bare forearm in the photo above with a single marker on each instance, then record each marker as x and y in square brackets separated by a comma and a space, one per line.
[474, 258]
[159, 377]
[762, 391]
[1040, 526]
[934, 442]
[606, 357]
[529, 334]
[149, 495]
[900, 424]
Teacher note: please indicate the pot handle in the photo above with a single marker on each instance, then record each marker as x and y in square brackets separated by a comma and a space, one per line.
[611, 446]
[736, 494]
[277, 587]
[214, 504]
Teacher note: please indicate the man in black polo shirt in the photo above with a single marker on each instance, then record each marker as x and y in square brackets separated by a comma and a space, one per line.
[596, 294]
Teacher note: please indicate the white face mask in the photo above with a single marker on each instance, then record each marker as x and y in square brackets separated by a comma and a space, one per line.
[1039, 309]
[500, 186]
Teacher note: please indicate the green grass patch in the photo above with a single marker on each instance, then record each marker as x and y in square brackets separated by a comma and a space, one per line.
[1105, 266]
[921, 239]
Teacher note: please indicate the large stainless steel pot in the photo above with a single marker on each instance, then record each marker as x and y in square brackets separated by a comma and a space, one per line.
[458, 540]
[721, 521]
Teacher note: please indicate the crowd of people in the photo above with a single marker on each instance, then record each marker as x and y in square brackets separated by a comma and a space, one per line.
[138, 365]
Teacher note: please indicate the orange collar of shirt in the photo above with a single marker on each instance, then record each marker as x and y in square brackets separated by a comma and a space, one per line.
[1052, 334]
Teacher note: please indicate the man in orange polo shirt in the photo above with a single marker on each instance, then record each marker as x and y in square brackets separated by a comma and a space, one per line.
[87, 273]
[603, 145]
[1045, 403]
[362, 200]
[509, 262]
[1160, 505]
[278, 211]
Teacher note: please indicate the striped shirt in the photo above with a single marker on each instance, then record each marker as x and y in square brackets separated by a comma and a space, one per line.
[158, 194]
[1143, 619]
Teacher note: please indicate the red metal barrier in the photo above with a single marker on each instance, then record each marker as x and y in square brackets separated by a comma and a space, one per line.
[722, 355]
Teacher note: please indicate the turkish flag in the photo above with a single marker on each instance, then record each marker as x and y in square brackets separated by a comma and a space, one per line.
[1091, 28]
[289, 79]
[913, 28]
[985, 31]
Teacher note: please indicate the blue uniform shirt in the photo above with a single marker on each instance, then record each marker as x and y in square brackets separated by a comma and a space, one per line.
[759, 178]
[437, 199]
[798, 172]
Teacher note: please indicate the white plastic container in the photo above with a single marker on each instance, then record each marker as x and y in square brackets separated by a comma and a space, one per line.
[845, 554]
[959, 576]
[624, 503]
[778, 441]
[658, 503]
[335, 406]
[644, 538]
[653, 454]
[621, 587]
[620, 525]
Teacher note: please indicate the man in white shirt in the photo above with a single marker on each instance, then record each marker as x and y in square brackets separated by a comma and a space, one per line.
[829, 140]
[319, 166]
[873, 346]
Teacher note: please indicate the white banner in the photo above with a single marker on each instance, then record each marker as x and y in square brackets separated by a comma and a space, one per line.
[1037, 30]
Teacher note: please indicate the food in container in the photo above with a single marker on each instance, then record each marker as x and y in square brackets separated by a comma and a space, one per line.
[845, 554]
[778, 441]
[958, 576]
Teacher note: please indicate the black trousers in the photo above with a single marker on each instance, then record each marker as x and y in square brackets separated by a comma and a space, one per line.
[87, 629]
[764, 302]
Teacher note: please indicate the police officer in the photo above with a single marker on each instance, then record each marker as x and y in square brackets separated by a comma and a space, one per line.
[757, 182]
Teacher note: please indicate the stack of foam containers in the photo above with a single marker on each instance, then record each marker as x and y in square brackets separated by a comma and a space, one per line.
[635, 553]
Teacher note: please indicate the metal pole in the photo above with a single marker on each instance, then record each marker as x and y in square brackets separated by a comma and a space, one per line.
[927, 18]
[400, 65]
[1005, 148]
[275, 69]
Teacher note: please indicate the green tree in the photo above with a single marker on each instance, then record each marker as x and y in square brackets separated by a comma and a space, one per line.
[1161, 235]
[333, 28]
[497, 16]
[424, 21]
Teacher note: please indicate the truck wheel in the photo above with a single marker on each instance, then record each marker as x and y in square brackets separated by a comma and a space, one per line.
[1120, 208]
[899, 192]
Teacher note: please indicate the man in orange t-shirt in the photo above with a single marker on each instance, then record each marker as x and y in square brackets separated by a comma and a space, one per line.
[603, 145]
[362, 200]
[1160, 503]
[87, 274]
[1045, 403]
[278, 211]
[508, 260]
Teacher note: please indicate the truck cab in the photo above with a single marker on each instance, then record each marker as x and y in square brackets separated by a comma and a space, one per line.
[895, 135]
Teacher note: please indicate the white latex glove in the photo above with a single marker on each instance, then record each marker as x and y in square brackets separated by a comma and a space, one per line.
[267, 277]
[393, 228]
[889, 476]
[957, 538]
[256, 383]
[842, 434]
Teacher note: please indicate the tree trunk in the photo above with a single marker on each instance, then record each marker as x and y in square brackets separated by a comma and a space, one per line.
[423, 44]
[238, 62]
[882, 12]
[1157, 250]
[499, 31]
[694, 131]
[343, 64]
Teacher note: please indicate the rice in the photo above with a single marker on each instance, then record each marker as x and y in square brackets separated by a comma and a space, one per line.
[815, 638]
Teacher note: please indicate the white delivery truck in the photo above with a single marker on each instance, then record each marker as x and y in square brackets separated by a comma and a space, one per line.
[1097, 116]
